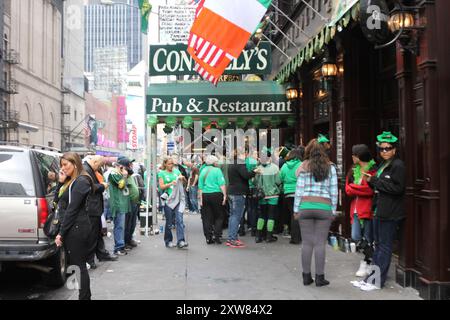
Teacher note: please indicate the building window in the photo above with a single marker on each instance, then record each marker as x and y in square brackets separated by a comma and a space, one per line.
[75, 115]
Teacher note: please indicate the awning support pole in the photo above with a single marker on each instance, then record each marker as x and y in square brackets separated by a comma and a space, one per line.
[272, 43]
[290, 20]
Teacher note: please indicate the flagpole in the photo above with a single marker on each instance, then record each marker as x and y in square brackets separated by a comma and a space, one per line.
[290, 20]
[281, 31]
[272, 43]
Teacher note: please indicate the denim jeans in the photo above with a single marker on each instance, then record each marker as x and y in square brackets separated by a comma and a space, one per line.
[107, 210]
[366, 232]
[170, 213]
[119, 231]
[252, 212]
[384, 235]
[237, 206]
[193, 193]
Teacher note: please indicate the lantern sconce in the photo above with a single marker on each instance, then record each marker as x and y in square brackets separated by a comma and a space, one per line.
[404, 21]
[291, 92]
[329, 69]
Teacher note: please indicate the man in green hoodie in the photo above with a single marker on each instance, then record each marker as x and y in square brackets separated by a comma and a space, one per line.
[288, 177]
[269, 182]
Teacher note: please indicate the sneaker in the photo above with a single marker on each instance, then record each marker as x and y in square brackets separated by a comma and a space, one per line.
[120, 253]
[363, 270]
[358, 284]
[133, 244]
[182, 245]
[369, 287]
[88, 266]
[128, 248]
[170, 245]
[237, 244]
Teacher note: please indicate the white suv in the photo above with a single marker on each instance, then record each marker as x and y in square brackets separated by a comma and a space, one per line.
[28, 177]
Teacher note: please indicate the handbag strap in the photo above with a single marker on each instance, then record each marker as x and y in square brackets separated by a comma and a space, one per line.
[206, 175]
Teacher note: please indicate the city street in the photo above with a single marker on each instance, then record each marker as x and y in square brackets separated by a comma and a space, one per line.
[259, 272]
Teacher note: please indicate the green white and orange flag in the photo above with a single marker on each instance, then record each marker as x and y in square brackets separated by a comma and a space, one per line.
[220, 32]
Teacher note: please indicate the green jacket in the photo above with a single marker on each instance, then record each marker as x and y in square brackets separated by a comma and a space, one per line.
[288, 175]
[119, 194]
[269, 180]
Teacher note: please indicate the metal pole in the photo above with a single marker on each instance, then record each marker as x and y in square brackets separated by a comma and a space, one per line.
[154, 173]
[284, 34]
[290, 20]
[315, 11]
[149, 133]
[271, 42]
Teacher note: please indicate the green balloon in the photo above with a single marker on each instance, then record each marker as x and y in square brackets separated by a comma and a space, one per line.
[241, 122]
[187, 122]
[291, 121]
[168, 130]
[206, 122]
[275, 121]
[222, 123]
[171, 121]
[256, 122]
[152, 121]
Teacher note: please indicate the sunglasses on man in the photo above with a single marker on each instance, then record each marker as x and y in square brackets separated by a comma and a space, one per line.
[387, 149]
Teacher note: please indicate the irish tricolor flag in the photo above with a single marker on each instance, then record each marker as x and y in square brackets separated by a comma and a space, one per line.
[220, 32]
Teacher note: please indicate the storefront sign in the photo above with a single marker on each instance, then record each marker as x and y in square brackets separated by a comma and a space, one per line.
[175, 60]
[229, 98]
[122, 135]
[133, 140]
[175, 23]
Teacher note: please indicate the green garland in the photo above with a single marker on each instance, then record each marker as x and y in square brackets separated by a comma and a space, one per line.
[357, 171]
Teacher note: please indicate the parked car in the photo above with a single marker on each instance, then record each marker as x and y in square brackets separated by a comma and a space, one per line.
[27, 181]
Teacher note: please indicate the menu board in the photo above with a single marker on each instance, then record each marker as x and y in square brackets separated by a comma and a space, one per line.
[339, 148]
[175, 23]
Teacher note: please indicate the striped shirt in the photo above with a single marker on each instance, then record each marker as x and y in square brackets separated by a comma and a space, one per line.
[307, 186]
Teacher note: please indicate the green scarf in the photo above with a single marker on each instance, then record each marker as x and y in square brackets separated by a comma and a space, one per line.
[61, 190]
[357, 172]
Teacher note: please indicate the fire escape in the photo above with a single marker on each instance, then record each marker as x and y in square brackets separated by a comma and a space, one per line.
[10, 118]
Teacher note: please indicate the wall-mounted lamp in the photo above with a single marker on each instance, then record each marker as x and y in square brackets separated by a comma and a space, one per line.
[329, 69]
[291, 92]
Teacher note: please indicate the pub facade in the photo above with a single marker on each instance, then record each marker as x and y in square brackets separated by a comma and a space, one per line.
[357, 74]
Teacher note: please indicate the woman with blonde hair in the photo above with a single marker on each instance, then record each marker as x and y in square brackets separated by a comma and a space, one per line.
[75, 187]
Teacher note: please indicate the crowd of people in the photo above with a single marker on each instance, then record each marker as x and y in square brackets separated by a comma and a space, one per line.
[87, 195]
[292, 193]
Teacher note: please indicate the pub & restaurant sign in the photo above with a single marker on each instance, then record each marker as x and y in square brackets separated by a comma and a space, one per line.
[228, 99]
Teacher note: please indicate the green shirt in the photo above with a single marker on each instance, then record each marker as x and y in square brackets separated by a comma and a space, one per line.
[212, 182]
[119, 194]
[169, 177]
[134, 190]
[251, 164]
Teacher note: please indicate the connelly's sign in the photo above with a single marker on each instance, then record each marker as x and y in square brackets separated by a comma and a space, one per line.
[175, 60]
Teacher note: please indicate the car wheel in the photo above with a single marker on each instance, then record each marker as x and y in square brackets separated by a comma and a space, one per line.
[58, 262]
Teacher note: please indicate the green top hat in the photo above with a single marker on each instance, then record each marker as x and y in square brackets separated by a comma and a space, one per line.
[387, 137]
[322, 139]
[283, 151]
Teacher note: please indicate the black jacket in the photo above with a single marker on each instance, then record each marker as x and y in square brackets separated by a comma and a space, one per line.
[76, 212]
[96, 200]
[238, 177]
[389, 200]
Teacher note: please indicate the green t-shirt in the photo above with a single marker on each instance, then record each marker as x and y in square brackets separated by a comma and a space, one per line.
[169, 177]
[212, 182]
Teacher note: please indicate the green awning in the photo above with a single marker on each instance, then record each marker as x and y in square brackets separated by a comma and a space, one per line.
[345, 11]
[227, 99]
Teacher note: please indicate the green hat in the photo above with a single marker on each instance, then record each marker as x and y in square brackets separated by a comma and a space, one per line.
[387, 137]
[266, 150]
[322, 139]
[283, 151]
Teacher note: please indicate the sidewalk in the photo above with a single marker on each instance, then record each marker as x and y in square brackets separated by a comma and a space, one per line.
[213, 272]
